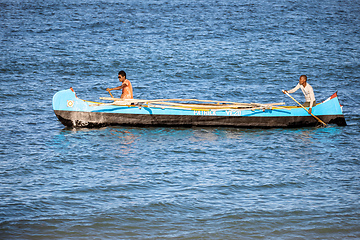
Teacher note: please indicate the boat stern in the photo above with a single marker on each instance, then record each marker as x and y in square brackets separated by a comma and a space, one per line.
[331, 111]
[67, 106]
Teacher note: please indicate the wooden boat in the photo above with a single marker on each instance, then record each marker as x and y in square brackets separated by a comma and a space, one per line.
[75, 112]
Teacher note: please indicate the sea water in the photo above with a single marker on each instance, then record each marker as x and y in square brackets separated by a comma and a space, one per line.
[177, 183]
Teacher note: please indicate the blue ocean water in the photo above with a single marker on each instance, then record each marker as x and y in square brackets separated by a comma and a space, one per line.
[177, 183]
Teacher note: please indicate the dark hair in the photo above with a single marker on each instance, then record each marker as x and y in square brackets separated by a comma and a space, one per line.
[122, 73]
[304, 76]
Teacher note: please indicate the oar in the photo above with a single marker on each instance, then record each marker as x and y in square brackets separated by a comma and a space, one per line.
[111, 94]
[320, 121]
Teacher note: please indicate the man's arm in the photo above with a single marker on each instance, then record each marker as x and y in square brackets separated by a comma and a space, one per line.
[117, 88]
[312, 98]
[294, 89]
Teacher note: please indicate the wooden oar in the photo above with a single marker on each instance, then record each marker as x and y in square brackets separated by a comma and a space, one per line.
[196, 106]
[319, 120]
[202, 105]
[111, 94]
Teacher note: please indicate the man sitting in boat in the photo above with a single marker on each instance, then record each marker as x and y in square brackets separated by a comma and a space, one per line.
[127, 91]
[307, 90]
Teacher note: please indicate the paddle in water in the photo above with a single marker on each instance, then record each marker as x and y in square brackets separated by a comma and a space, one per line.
[318, 119]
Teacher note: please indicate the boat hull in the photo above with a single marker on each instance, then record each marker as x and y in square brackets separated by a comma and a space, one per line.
[74, 112]
[91, 119]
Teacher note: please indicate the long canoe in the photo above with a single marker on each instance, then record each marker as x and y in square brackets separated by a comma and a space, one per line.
[75, 112]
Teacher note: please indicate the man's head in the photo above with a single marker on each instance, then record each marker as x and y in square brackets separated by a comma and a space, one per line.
[122, 76]
[303, 80]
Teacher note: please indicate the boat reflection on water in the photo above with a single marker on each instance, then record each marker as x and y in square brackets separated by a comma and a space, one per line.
[125, 136]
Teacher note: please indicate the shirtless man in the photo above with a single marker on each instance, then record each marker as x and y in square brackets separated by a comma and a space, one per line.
[127, 91]
[307, 90]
